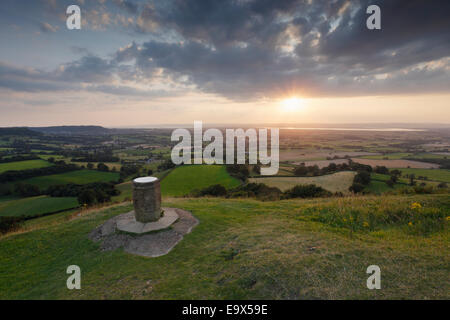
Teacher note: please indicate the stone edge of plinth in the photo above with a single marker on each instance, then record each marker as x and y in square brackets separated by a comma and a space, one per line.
[170, 214]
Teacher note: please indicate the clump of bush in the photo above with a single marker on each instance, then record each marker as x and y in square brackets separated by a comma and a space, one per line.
[216, 190]
[239, 171]
[306, 191]
[360, 181]
[10, 224]
[259, 191]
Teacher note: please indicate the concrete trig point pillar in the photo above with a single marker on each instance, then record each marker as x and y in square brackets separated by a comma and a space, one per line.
[147, 215]
[147, 199]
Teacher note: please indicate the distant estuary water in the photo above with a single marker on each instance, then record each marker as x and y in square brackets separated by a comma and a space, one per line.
[353, 129]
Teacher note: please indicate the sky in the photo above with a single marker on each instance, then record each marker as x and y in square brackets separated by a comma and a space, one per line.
[140, 63]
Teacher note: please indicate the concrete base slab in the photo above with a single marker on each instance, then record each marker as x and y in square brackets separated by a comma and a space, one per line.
[152, 244]
[128, 223]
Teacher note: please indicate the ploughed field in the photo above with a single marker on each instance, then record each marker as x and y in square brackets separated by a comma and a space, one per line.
[246, 249]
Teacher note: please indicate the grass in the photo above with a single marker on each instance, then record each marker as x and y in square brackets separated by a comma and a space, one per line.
[184, 179]
[77, 177]
[336, 182]
[36, 206]
[23, 165]
[242, 249]
[442, 175]
[126, 192]
[379, 186]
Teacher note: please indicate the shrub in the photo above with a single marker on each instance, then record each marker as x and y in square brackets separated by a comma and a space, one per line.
[258, 190]
[306, 191]
[381, 170]
[356, 187]
[442, 185]
[9, 224]
[362, 177]
[26, 190]
[216, 190]
[239, 171]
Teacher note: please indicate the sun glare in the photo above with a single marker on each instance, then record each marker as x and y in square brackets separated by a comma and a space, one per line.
[292, 104]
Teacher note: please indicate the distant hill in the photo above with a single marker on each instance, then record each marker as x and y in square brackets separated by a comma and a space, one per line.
[72, 130]
[18, 131]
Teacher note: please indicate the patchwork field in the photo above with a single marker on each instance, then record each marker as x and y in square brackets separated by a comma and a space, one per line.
[245, 249]
[304, 155]
[183, 180]
[23, 165]
[401, 155]
[442, 175]
[397, 163]
[77, 177]
[36, 206]
[336, 182]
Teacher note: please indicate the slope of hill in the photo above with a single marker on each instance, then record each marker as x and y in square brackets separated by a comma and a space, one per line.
[246, 249]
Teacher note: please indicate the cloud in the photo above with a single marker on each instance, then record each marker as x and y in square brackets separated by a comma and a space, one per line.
[246, 50]
[46, 27]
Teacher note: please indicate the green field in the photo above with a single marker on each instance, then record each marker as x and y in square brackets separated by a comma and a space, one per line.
[336, 182]
[77, 177]
[380, 186]
[242, 249]
[36, 206]
[432, 174]
[126, 192]
[23, 165]
[184, 179]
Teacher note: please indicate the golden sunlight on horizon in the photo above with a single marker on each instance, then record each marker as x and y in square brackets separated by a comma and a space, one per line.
[292, 104]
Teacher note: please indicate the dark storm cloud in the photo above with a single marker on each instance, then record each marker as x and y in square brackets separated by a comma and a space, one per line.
[249, 49]
[233, 47]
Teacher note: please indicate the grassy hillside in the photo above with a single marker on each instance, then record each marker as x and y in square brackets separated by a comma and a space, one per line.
[337, 182]
[77, 177]
[184, 179]
[35, 206]
[296, 249]
[23, 165]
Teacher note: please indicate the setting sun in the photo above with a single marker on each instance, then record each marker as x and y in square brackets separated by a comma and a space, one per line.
[292, 104]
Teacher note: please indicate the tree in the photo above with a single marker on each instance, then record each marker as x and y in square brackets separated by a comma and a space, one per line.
[301, 170]
[87, 197]
[356, 187]
[381, 170]
[390, 182]
[26, 190]
[411, 180]
[362, 177]
[102, 167]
